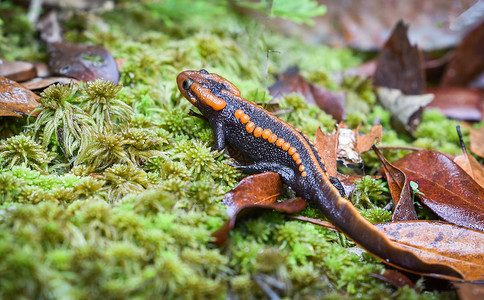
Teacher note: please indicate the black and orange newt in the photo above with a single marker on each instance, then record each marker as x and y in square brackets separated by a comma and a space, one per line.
[276, 146]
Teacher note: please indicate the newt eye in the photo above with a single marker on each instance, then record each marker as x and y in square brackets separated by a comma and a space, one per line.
[203, 71]
[187, 83]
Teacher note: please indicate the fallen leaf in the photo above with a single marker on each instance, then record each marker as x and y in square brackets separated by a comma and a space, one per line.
[366, 141]
[291, 81]
[364, 25]
[15, 99]
[345, 145]
[471, 166]
[477, 141]
[448, 190]
[83, 62]
[327, 145]
[441, 243]
[458, 102]
[42, 83]
[399, 64]
[399, 186]
[469, 290]
[429, 248]
[396, 278]
[406, 110]
[17, 70]
[255, 191]
[468, 59]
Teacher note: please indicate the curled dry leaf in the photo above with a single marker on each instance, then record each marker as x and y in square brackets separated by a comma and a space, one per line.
[441, 243]
[15, 99]
[399, 187]
[291, 81]
[447, 189]
[255, 191]
[83, 62]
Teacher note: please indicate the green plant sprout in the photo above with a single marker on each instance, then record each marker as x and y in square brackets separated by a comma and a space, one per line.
[415, 191]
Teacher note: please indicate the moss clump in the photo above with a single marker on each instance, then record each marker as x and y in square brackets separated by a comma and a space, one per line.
[101, 104]
[22, 150]
[62, 124]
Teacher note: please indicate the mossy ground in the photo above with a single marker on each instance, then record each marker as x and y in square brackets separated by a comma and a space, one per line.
[114, 193]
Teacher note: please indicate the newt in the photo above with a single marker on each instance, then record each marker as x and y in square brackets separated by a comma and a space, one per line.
[276, 146]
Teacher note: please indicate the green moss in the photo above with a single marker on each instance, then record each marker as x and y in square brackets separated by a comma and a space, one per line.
[62, 124]
[369, 193]
[22, 150]
[100, 103]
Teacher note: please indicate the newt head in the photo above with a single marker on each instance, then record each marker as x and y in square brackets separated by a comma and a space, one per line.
[205, 90]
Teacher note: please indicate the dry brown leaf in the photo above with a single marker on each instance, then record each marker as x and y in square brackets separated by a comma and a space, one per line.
[400, 65]
[327, 149]
[472, 167]
[259, 191]
[42, 83]
[291, 81]
[477, 141]
[399, 186]
[365, 142]
[468, 59]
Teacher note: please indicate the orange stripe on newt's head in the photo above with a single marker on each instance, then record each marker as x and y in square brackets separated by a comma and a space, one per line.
[195, 86]
[206, 96]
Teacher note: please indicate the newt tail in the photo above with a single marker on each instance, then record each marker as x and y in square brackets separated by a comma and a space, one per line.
[276, 146]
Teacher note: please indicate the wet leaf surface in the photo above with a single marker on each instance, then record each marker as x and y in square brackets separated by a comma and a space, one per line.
[441, 243]
[259, 191]
[399, 186]
[448, 190]
[82, 62]
[291, 81]
[15, 99]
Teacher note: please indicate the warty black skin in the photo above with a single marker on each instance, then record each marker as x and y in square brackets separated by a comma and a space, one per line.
[316, 187]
